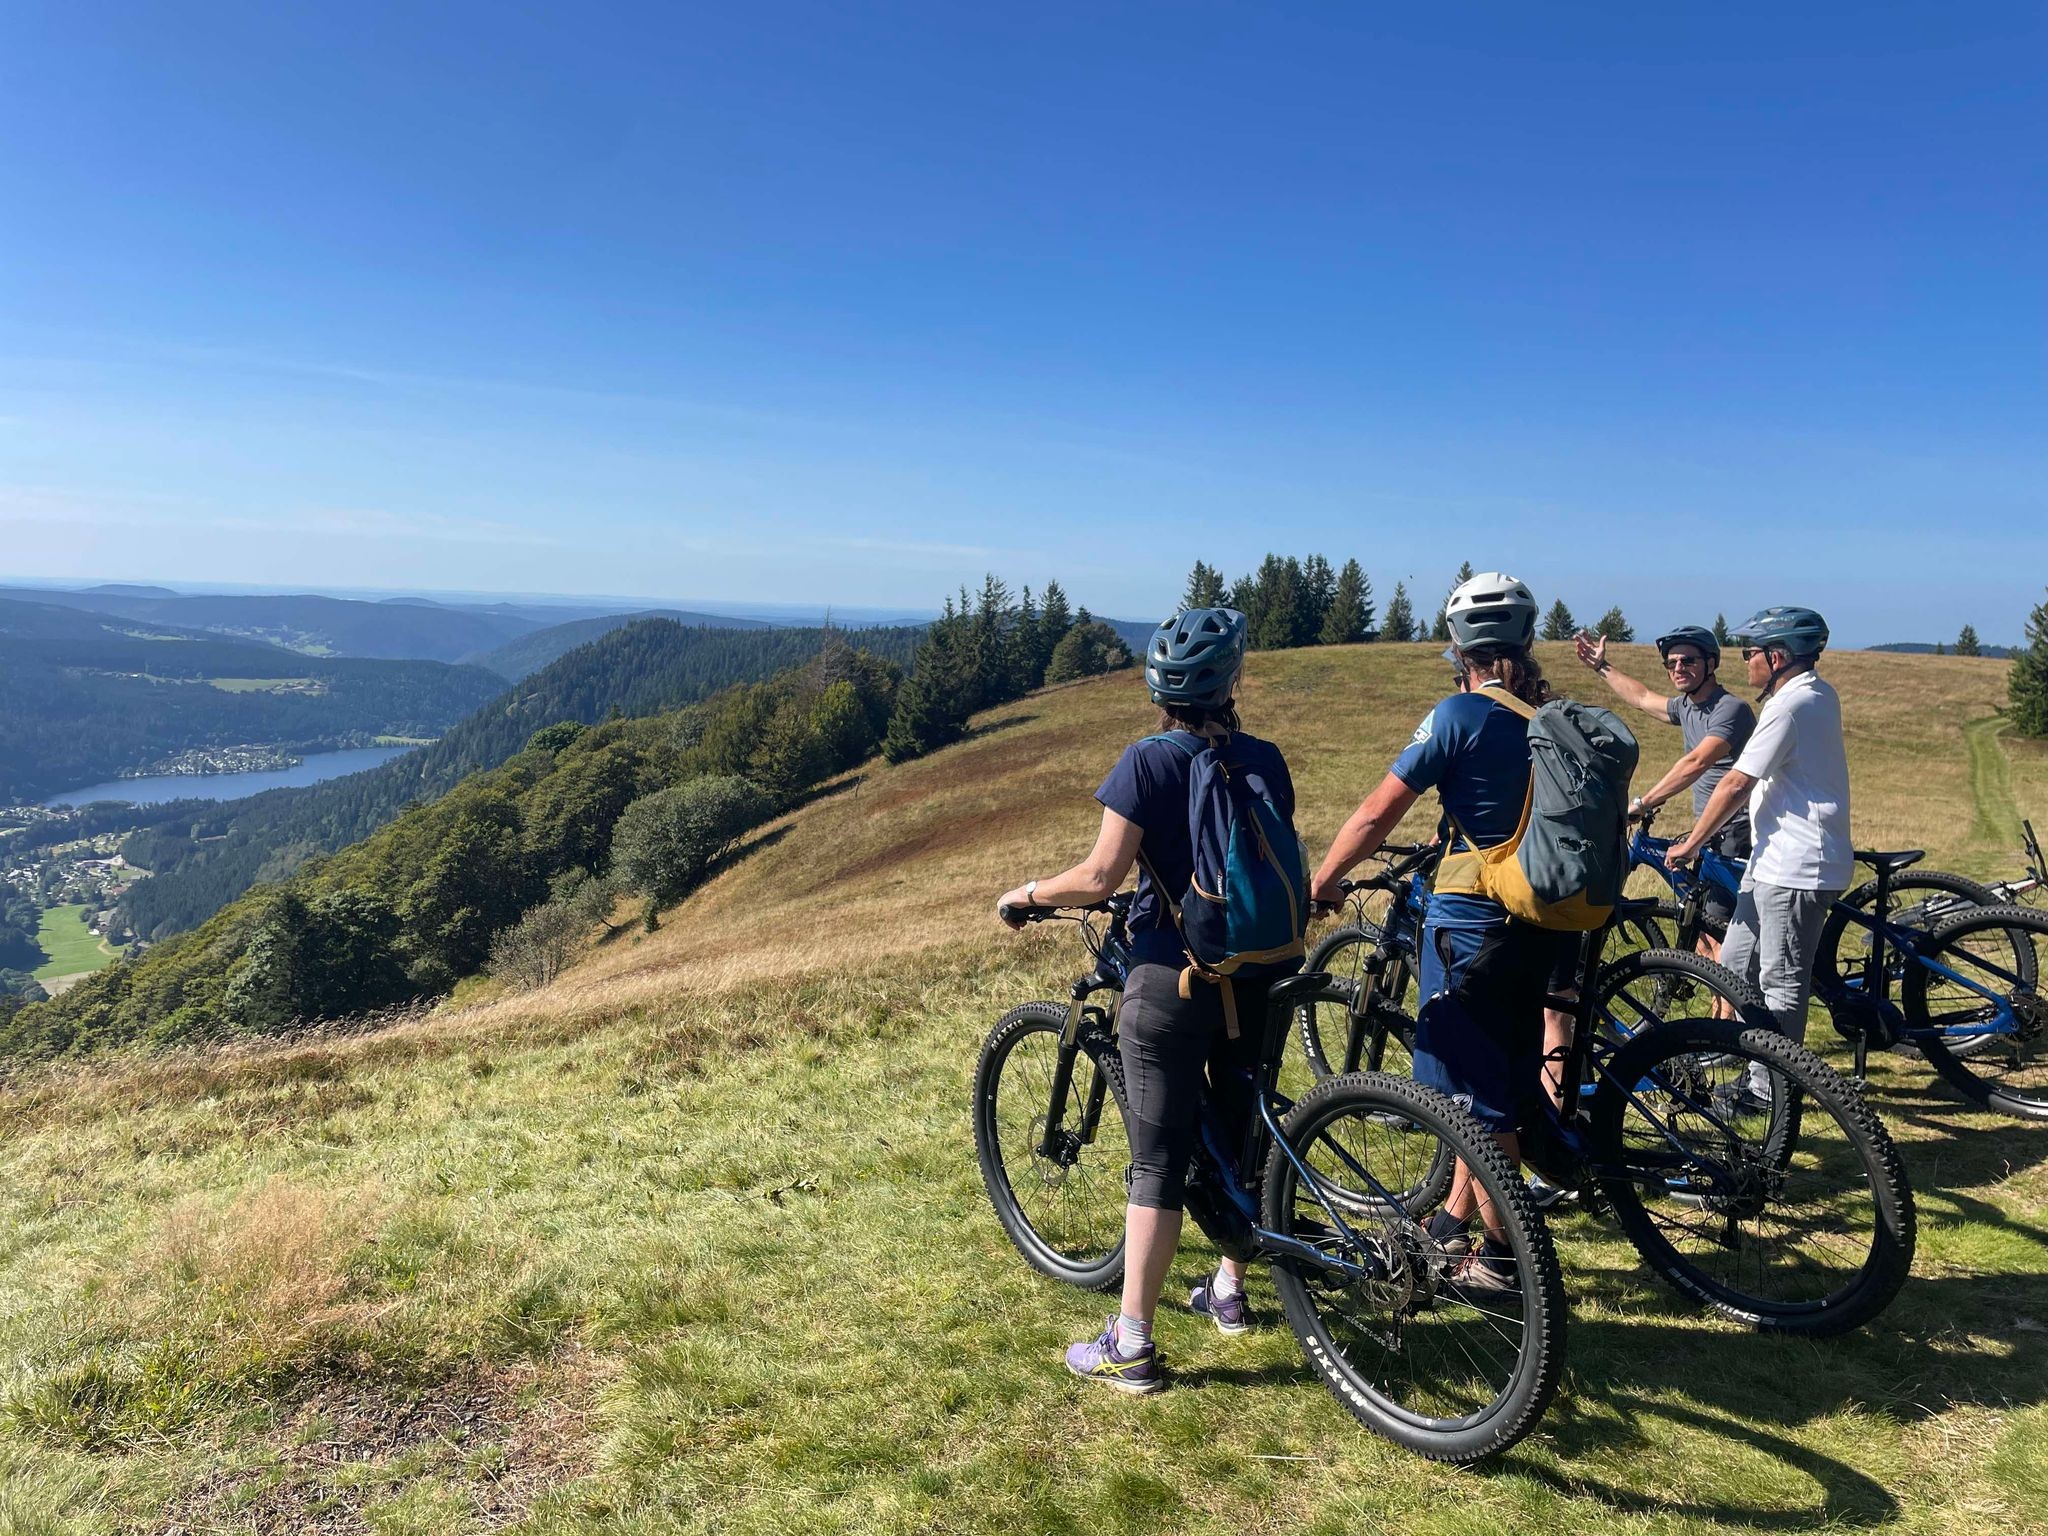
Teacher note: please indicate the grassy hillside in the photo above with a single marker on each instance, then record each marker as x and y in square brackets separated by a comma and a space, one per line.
[693, 1240]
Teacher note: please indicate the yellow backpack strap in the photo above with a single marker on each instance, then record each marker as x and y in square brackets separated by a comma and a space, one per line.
[1497, 694]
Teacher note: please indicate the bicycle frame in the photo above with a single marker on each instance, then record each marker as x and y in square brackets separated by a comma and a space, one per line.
[1216, 1197]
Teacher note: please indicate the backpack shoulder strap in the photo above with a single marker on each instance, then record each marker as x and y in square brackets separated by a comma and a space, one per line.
[1508, 701]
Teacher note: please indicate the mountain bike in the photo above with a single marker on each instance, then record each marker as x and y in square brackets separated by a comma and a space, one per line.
[1371, 960]
[1918, 901]
[1335, 1192]
[1966, 972]
[1744, 1170]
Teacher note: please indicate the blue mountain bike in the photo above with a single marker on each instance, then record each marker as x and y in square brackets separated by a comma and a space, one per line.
[1745, 1171]
[1927, 963]
[1334, 1192]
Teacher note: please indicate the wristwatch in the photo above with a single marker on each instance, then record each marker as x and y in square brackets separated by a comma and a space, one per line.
[1030, 893]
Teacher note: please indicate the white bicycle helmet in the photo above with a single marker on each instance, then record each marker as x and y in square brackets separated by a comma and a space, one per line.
[1491, 609]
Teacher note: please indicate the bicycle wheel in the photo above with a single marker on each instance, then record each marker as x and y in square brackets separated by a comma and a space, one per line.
[1387, 1025]
[1973, 1003]
[1920, 901]
[1065, 1212]
[1811, 1237]
[1443, 1368]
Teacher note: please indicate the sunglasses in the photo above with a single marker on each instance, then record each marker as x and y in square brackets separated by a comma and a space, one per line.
[1751, 652]
[1673, 663]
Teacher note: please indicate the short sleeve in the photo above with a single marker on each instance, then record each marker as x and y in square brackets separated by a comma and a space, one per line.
[1671, 709]
[1422, 762]
[1769, 745]
[1124, 791]
[1732, 721]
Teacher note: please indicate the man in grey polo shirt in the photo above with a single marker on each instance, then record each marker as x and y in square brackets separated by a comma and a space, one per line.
[1716, 726]
[1795, 776]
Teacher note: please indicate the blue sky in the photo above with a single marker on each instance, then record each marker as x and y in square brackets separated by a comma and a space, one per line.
[1690, 309]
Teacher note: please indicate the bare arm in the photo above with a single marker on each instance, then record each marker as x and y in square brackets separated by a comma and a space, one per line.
[1685, 772]
[1593, 652]
[1360, 837]
[1095, 877]
[1729, 795]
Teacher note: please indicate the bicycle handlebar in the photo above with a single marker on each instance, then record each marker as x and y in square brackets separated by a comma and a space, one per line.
[1022, 914]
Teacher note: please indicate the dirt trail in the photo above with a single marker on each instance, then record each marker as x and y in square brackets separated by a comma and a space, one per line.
[1995, 814]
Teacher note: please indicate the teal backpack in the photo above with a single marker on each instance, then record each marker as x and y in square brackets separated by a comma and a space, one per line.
[1245, 912]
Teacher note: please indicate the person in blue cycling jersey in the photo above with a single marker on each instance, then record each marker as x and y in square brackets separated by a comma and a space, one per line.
[1483, 976]
[1715, 726]
[1168, 1042]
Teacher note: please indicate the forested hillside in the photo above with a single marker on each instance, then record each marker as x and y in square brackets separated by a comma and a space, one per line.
[199, 863]
[517, 850]
[529, 653]
[81, 699]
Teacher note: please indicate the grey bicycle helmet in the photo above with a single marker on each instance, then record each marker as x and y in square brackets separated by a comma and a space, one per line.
[1491, 609]
[1797, 632]
[1690, 634]
[1194, 658]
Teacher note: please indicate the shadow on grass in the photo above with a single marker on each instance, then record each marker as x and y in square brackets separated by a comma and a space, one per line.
[994, 726]
[1618, 1420]
[1922, 1358]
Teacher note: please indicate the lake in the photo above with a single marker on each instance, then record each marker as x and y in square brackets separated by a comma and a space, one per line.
[311, 769]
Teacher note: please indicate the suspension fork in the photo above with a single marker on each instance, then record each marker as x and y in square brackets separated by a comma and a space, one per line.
[1063, 1079]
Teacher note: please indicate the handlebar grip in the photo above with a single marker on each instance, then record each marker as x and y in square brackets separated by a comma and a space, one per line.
[1024, 914]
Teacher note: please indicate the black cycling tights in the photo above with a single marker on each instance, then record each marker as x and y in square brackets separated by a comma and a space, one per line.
[1167, 1040]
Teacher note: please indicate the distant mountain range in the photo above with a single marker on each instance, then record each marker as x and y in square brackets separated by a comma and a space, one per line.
[399, 628]
[1926, 648]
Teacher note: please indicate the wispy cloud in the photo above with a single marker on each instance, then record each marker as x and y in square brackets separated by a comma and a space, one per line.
[83, 508]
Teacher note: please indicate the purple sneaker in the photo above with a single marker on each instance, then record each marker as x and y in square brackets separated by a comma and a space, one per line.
[1228, 1312]
[1098, 1359]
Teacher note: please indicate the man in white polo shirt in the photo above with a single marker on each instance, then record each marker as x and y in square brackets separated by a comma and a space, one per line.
[1794, 774]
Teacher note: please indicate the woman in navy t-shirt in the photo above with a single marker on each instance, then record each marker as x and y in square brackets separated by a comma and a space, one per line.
[1167, 1041]
[1483, 976]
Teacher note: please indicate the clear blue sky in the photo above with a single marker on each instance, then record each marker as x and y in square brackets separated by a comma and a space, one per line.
[1690, 308]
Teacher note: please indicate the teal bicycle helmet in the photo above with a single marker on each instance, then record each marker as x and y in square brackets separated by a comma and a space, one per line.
[1798, 632]
[1691, 634]
[1195, 657]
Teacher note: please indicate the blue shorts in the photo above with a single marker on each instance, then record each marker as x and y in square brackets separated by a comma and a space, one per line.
[1479, 1032]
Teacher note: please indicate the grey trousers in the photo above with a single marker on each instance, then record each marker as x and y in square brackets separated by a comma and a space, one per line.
[1772, 939]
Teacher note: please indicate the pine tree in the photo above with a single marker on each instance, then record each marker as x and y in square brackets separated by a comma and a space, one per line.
[1399, 624]
[1614, 627]
[932, 705]
[1721, 635]
[1558, 624]
[1350, 611]
[1055, 618]
[1940, 649]
[1204, 589]
[991, 635]
[1440, 631]
[1244, 597]
[1022, 651]
[1277, 624]
[2027, 688]
[1318, 591]
[1966, 642]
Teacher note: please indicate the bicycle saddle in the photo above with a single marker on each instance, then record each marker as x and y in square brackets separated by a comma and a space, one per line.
[1886, 862]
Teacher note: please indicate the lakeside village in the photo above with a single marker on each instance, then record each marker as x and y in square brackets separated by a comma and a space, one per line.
[86, 871]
